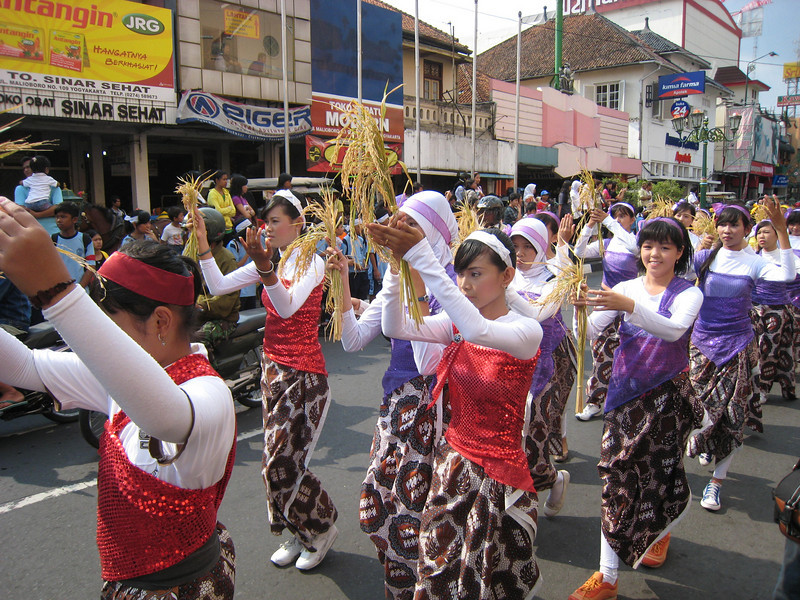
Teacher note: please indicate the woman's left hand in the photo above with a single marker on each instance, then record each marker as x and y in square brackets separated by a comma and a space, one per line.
[399, 237]
[566, 230]
[775, 213]
[262, 256]
[23, 244]
[605, 299]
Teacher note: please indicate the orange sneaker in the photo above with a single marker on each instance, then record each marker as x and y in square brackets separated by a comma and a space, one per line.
[657, 554]
[595, 589]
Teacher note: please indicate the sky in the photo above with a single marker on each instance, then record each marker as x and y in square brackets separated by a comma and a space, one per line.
[497, 20]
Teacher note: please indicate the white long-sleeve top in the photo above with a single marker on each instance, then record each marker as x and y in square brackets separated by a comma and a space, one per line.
[685, 308]
[537, 284]
[560, 260]
[741, 262]
[775, 257]
[623, 241]
[286, 301]
[513, 333]
[794, 241]
[128, 379]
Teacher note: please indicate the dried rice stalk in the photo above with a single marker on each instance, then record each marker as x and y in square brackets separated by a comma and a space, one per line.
[662, 207]
[9, 147]
[759, 213]
[88, 265]
[468, 221]
[568, 285]
[326, 220]
[189, 189]
[366, 177]
[589, 201]
[705, 225]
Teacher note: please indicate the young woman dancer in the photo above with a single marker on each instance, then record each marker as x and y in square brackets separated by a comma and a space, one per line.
[294, 380]
[401, 467]
[479, 522]
[650, 409]
[773, 321]
[555, 370]
[560, 232]
[166, 455]
[723, 352]
[619, 264]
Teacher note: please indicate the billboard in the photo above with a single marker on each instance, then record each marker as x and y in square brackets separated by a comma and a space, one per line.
[678, 85]
[791, 70]
[756, 142]
[113, 48]
[255, 123]
[793, 100]
[321, 155]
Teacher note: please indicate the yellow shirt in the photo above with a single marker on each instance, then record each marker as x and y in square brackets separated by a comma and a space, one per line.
[224, 204]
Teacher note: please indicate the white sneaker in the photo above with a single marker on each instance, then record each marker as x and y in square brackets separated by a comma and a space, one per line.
[710, 499]
[323, 542]
[704, 459]
[590, 411]
[287, 553]
[552, 509]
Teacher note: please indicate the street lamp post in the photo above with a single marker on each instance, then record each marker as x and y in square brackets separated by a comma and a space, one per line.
[697, 126]
[751, 66]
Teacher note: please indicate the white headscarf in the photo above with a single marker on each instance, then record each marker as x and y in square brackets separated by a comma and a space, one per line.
[535, 231]
[530, 192]
[575, 195]
[432, 213]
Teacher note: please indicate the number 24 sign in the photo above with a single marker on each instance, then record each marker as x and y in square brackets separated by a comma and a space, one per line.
[680, 108]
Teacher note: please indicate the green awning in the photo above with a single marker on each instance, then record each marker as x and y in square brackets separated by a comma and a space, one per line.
[537, 156]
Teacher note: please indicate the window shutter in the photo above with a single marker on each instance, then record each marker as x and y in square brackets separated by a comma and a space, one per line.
[622, 95]
[588, 92]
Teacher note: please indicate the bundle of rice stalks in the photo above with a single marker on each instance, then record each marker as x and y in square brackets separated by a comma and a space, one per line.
[704, 224]
[568, 286]
[9, 147]
[468, 221]
[189, 189]
[366, 177]
[759, 213]
[590, 199]
[661, 207]
[326, 220]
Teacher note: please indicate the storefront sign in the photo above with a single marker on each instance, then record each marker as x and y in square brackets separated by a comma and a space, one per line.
[247, 121]
[321, 155]
[329, 116]
[780, 181]
[64, 103]
[789, 100]
[680, 108]
[757, 168]
[672, 140]
[114, 49]
[678, 85]
[791, 70]
[683, 158]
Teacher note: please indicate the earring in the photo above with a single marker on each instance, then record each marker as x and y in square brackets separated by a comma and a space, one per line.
[162, 340]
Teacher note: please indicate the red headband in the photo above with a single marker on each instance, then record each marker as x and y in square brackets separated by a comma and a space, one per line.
[148, 281]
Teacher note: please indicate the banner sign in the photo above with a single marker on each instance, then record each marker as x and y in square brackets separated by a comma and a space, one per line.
[678, 85]
[256, 123]
[791, 70]
[329, 116]
[758, 168]
[780, 180]
[321, 155]
[115, 49]
[671, 140]
[789, 100]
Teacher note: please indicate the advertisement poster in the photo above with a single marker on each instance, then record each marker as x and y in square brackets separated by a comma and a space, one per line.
[679, 85]
[252, 122]
[242, 23]
[321, 155]
[112, 49]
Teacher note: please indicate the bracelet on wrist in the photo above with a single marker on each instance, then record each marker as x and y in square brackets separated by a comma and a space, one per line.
[42, 297]
[203, 253]
[266, 273]
[425, 298]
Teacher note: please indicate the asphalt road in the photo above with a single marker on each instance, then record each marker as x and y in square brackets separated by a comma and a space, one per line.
[48, 498]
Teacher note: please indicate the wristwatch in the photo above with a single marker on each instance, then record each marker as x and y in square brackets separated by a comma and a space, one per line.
[42, 297]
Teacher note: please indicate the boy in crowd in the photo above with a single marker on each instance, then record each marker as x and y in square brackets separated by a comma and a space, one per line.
[69, 238]
[173, 234]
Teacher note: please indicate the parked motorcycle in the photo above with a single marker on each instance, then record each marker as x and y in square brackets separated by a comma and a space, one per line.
[237, 360]
[42, 335]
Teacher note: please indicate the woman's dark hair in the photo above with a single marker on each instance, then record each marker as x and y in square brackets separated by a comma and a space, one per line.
[793, 218]
[470, 250]
[616, 208]
[113, 297]
[530, 206]
[219, 174]
[287, 206]
[684, 207]
[236, 184]
[550, 222]
[727, 216]
[141, 217]
[673, 232]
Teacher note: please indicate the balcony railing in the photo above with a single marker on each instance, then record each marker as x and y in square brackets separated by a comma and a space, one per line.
[447, 117]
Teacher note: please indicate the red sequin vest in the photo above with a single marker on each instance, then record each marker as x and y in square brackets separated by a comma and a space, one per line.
[145, 525]
[488, 389]
[294, 342]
